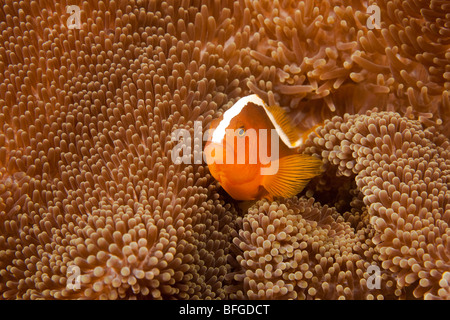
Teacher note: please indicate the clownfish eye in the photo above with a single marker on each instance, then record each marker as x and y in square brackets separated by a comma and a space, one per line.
[241, 132]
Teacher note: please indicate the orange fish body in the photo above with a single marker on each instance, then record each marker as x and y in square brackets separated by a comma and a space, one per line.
[251, 152]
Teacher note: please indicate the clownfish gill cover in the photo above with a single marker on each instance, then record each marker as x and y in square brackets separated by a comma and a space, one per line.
[251, 149]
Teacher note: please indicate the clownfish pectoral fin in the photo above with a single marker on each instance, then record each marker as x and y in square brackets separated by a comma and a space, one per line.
[289, 133]
[294, 173]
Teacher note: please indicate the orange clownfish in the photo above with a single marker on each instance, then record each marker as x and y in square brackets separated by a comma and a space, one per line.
[251, 151]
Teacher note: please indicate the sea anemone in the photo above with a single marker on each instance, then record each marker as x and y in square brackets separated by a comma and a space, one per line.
[301, 250]
[86, 173]
[402, 172]
[398, 218]
[319, 58]
[92, 205]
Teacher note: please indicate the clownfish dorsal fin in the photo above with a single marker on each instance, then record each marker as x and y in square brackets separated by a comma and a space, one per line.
[288, 133]
[294, 173]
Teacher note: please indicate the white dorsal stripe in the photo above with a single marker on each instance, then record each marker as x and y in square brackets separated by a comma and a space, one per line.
[280, 131]
[219, 132]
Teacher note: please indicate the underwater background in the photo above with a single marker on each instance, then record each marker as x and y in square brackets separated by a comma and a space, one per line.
[93, 207]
